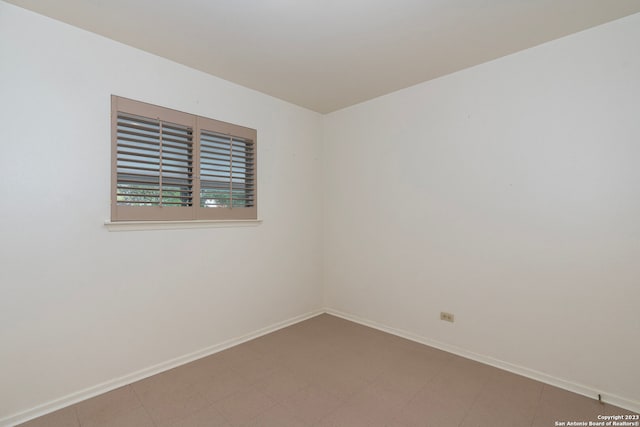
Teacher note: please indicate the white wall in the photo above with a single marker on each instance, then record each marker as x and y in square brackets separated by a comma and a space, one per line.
[80, 305]
[508, 194]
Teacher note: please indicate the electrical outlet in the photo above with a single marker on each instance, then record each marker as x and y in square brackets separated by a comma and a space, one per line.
[448, 317]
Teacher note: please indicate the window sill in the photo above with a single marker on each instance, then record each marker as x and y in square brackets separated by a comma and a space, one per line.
[176, 225]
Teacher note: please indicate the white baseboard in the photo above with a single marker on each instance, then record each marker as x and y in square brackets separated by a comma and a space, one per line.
[106, 386]
[54, 405]
[612, 399]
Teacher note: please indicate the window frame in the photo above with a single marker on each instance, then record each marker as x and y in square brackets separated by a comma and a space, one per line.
[197, 124]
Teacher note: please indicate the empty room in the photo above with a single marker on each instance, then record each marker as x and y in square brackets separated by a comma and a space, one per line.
[358, 213]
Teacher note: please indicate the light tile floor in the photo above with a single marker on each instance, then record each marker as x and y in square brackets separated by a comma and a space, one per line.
[328, 371]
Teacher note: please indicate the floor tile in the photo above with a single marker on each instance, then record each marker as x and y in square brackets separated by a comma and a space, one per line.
[507, 400]
[350, 416]
[171, 405]
[430, 408]
[206, 417]
[113, 404]
[280, 384]
[379, 400]
[237, 355]
[243, 406]
[276, 416]
[560, 405]
[171, 380]
[137, 417]
[221, 386]
[311, 404]
[341, 385]
[372, 406]
[256, 368]
[402, 384]
[211, 366]
[65, 417]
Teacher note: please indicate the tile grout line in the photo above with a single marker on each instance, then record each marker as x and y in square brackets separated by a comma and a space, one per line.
[484, 386]
[535, 414]
[413, 396]
[75, 412]
[133, 389]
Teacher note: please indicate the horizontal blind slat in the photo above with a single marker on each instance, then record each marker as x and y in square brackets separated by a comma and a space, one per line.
[154, 161]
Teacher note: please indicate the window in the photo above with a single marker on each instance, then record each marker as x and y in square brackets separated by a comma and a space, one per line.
[169, 165]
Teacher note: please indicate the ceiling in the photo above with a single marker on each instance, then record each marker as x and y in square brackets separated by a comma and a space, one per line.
[328, 54]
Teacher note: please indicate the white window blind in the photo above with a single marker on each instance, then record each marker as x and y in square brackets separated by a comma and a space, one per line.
[154, 162]
[169, 165]
[226, 171]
